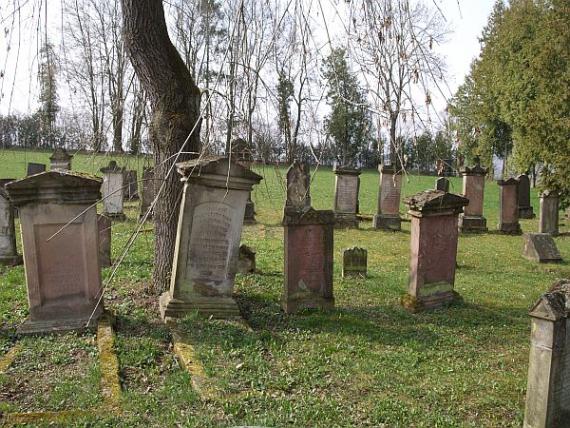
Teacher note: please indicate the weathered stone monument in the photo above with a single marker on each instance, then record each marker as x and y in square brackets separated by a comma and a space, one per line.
[308, 247]
[548, 387]
[60, 159]
[207, 242]
[148, 192]
[433, 249]
[246, 260]
[58, 219]
[388, 212]
[35, 168]
[525, 208]
[8, 251]
[242, 154]
[104, 225]
[540, 247]
[508, 207]
[131, 186]
[347, 185]
[354, 262]
[112, 191]
[549, 205]
[442, 184]
[472, 219]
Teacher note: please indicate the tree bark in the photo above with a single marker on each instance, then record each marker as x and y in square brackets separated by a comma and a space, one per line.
[175, 103]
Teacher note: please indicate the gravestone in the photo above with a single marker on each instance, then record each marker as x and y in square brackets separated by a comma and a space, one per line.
[388, 212]
[246, 260]
[354, 262]
[131, 185]
[308, 237]
[540, 247]
[112, 190]
[525, 208]
[104, 228]
[8, 252]
[548, 385]
[442, 184]
[242, 154]
[35, 168]
[58, 219]
[549, 205]
[433, 249]
[207, 241]
[472, 219]
[508, 207]
[60, 159]
[347, 185]
[148, 192]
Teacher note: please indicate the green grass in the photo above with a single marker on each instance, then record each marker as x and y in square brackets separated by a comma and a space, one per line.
[366, 363]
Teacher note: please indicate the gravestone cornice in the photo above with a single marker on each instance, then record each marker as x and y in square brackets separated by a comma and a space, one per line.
[218, 171]
[112, 168]
[295, 217]
[553, 305]
[346, 170]
[435, 202]
[60, 154]
[509, 182]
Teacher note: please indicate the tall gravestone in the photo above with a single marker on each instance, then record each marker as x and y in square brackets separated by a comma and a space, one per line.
[8, 251]
[35, 168]
[388, 211]
[548, 385]
[112, 191]
[58, 219]
[525, 208]
[131, 186]
[60, 159]
[433, 249]
[472, 219]
[207, 241]
[347, 185]
[104, 226]
[354, 262]
[308, 236]
[549, 205]
[508, 207]
[148, 192]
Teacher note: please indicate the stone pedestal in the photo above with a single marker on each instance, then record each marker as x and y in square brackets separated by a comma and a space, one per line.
[35, 168]
[354, 262]
[549, 204]
[525, 208]
[472, 219]
[104, 225]
[388, 213]
[112, 191]
[508, 207]
[148, 192]
[60, 159]
[347, 185]
[207, 241]
[60, 240]
[442, 184]
[548, 387]
[8, 252]
[433, 249]
[131, 186]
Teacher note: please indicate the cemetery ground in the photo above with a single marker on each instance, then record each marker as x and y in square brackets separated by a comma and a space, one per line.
[366, 363]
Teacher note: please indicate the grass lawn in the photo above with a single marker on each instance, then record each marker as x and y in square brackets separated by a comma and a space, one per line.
[366, 363]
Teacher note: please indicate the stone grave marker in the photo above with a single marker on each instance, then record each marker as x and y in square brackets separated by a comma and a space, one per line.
[207, 241]
[58, 219]
[148, 191]
[298, 187]
[388, 212]
[8, 251]
[131, 186]
[112, 190]
[433, 249]
[246, 260]
[347, 185]
[104, 225]
[60, 159]
[548, 385]
[242, 154]
[508, 207]
[442, 184]
[354, 262]
[35, 168]
[472, 220]
[540, 247]
[525, 208]
[549, 205]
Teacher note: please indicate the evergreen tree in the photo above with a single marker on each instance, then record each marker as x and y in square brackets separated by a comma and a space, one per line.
[48, 98]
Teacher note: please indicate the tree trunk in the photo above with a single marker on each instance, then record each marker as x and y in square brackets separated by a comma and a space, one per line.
[175, 103]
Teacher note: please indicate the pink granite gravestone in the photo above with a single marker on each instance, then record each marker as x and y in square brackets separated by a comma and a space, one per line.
[207, 241]
[8, 252]
[104, 225]
[509, 207]
[58, 218]
[388, 212]
[112, 190]
[472, 219]
[525, 208]
[433, 249]
[347, 185]
[60, 159]
[549, 204]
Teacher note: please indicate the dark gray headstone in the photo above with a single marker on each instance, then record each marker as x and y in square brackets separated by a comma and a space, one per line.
[442, 184]
[540, 247]
[525, 208]
[35, 168]
[354, 262]
[246, 260]
[131, 182]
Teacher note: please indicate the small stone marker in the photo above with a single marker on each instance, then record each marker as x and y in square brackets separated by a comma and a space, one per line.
[104, 226]
[540, 247]
[246, 260]
[549, 205]
[60, 159]
[525, 208]
[58, 219]
[131, 186]
[207, 242]
[112, 191]
[354, 262]
[472, 219]
[347, 185]
[442, 184]
[148, 192]
[388, 213]
[548, 387]
[8, 251]
[433, 249]
[242, 154]
[508, 207]
[35, 168]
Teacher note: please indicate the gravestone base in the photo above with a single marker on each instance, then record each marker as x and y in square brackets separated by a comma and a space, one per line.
[60, 325]
[510, 228]
[306, 300]
[11, 260]
[387, 222]
[116, 216]
[526, 212]
[472, 224]
[249, 214]
[218, 307]
[429, 302]
[345, 221]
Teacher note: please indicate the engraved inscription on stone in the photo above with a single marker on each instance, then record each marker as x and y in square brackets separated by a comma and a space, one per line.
[312, 266]
[346, 194]
[113, 193]
[390, 196]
